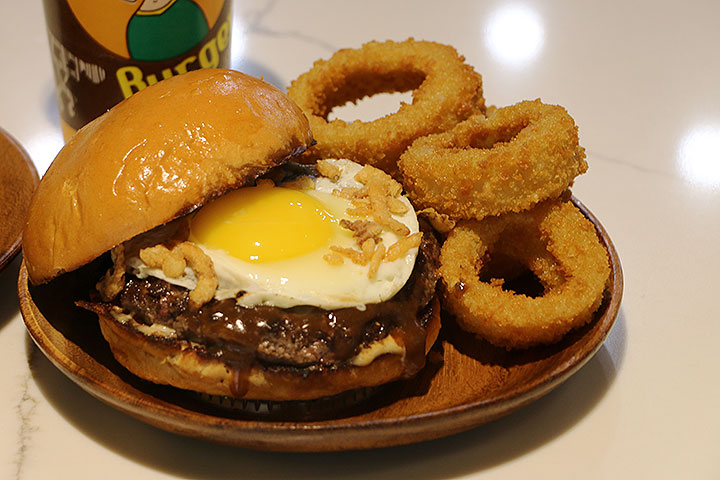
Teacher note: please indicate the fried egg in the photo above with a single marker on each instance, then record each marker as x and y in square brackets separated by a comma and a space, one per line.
[268, 246]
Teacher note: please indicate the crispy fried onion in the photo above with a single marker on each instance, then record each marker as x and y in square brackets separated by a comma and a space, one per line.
[563, 251]
[507, 162]
[112, 283]
[173, 261]
[441, 222]
[376, 202]
[300, 183]
[445, 91]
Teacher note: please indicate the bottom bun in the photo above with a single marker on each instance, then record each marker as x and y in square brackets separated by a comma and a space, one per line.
[164, 360]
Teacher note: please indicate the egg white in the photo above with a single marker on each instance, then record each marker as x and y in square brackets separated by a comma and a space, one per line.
[307, 279]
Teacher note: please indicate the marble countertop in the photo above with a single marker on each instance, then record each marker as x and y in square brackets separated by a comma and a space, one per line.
[642, 80]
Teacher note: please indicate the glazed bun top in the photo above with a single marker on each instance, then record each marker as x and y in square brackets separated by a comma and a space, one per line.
[154, 157]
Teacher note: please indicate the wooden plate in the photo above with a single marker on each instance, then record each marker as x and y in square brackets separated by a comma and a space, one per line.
[17, 184]
[466, 383]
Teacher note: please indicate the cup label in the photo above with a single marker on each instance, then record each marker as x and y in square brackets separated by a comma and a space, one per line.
[103, 51]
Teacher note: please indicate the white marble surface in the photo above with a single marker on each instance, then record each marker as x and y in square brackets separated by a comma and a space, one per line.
[642, 79]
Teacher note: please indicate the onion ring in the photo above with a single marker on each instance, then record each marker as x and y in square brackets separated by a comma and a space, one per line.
[507, 162]
[445, 91]
[513, 320]
[518, 250]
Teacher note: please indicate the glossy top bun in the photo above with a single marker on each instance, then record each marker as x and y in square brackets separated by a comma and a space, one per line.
[154, 157]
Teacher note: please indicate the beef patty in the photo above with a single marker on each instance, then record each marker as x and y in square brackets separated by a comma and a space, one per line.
[304, 337]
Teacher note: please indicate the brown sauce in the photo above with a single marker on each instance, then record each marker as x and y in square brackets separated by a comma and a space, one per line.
[304, 337]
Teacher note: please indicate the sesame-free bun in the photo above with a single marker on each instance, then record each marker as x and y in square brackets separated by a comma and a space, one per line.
[154, 157]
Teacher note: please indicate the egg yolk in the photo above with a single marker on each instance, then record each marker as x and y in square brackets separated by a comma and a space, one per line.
[263, 224]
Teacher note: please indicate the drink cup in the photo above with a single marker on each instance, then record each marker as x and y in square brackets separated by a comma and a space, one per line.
[103, 51]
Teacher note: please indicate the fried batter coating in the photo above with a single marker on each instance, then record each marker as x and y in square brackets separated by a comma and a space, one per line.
[327, 169]
[575, 270]
[376, 202]
[400, 248]
[445, 91]
[379, 188]
[300, 183]
[333, 258]
[362, 229]
[440, 222]
[355, 256]
[377, 257]
[507, 162]
[173, 262]
[112, 283]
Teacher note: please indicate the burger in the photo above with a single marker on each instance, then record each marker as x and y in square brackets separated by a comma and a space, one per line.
[231, 269]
